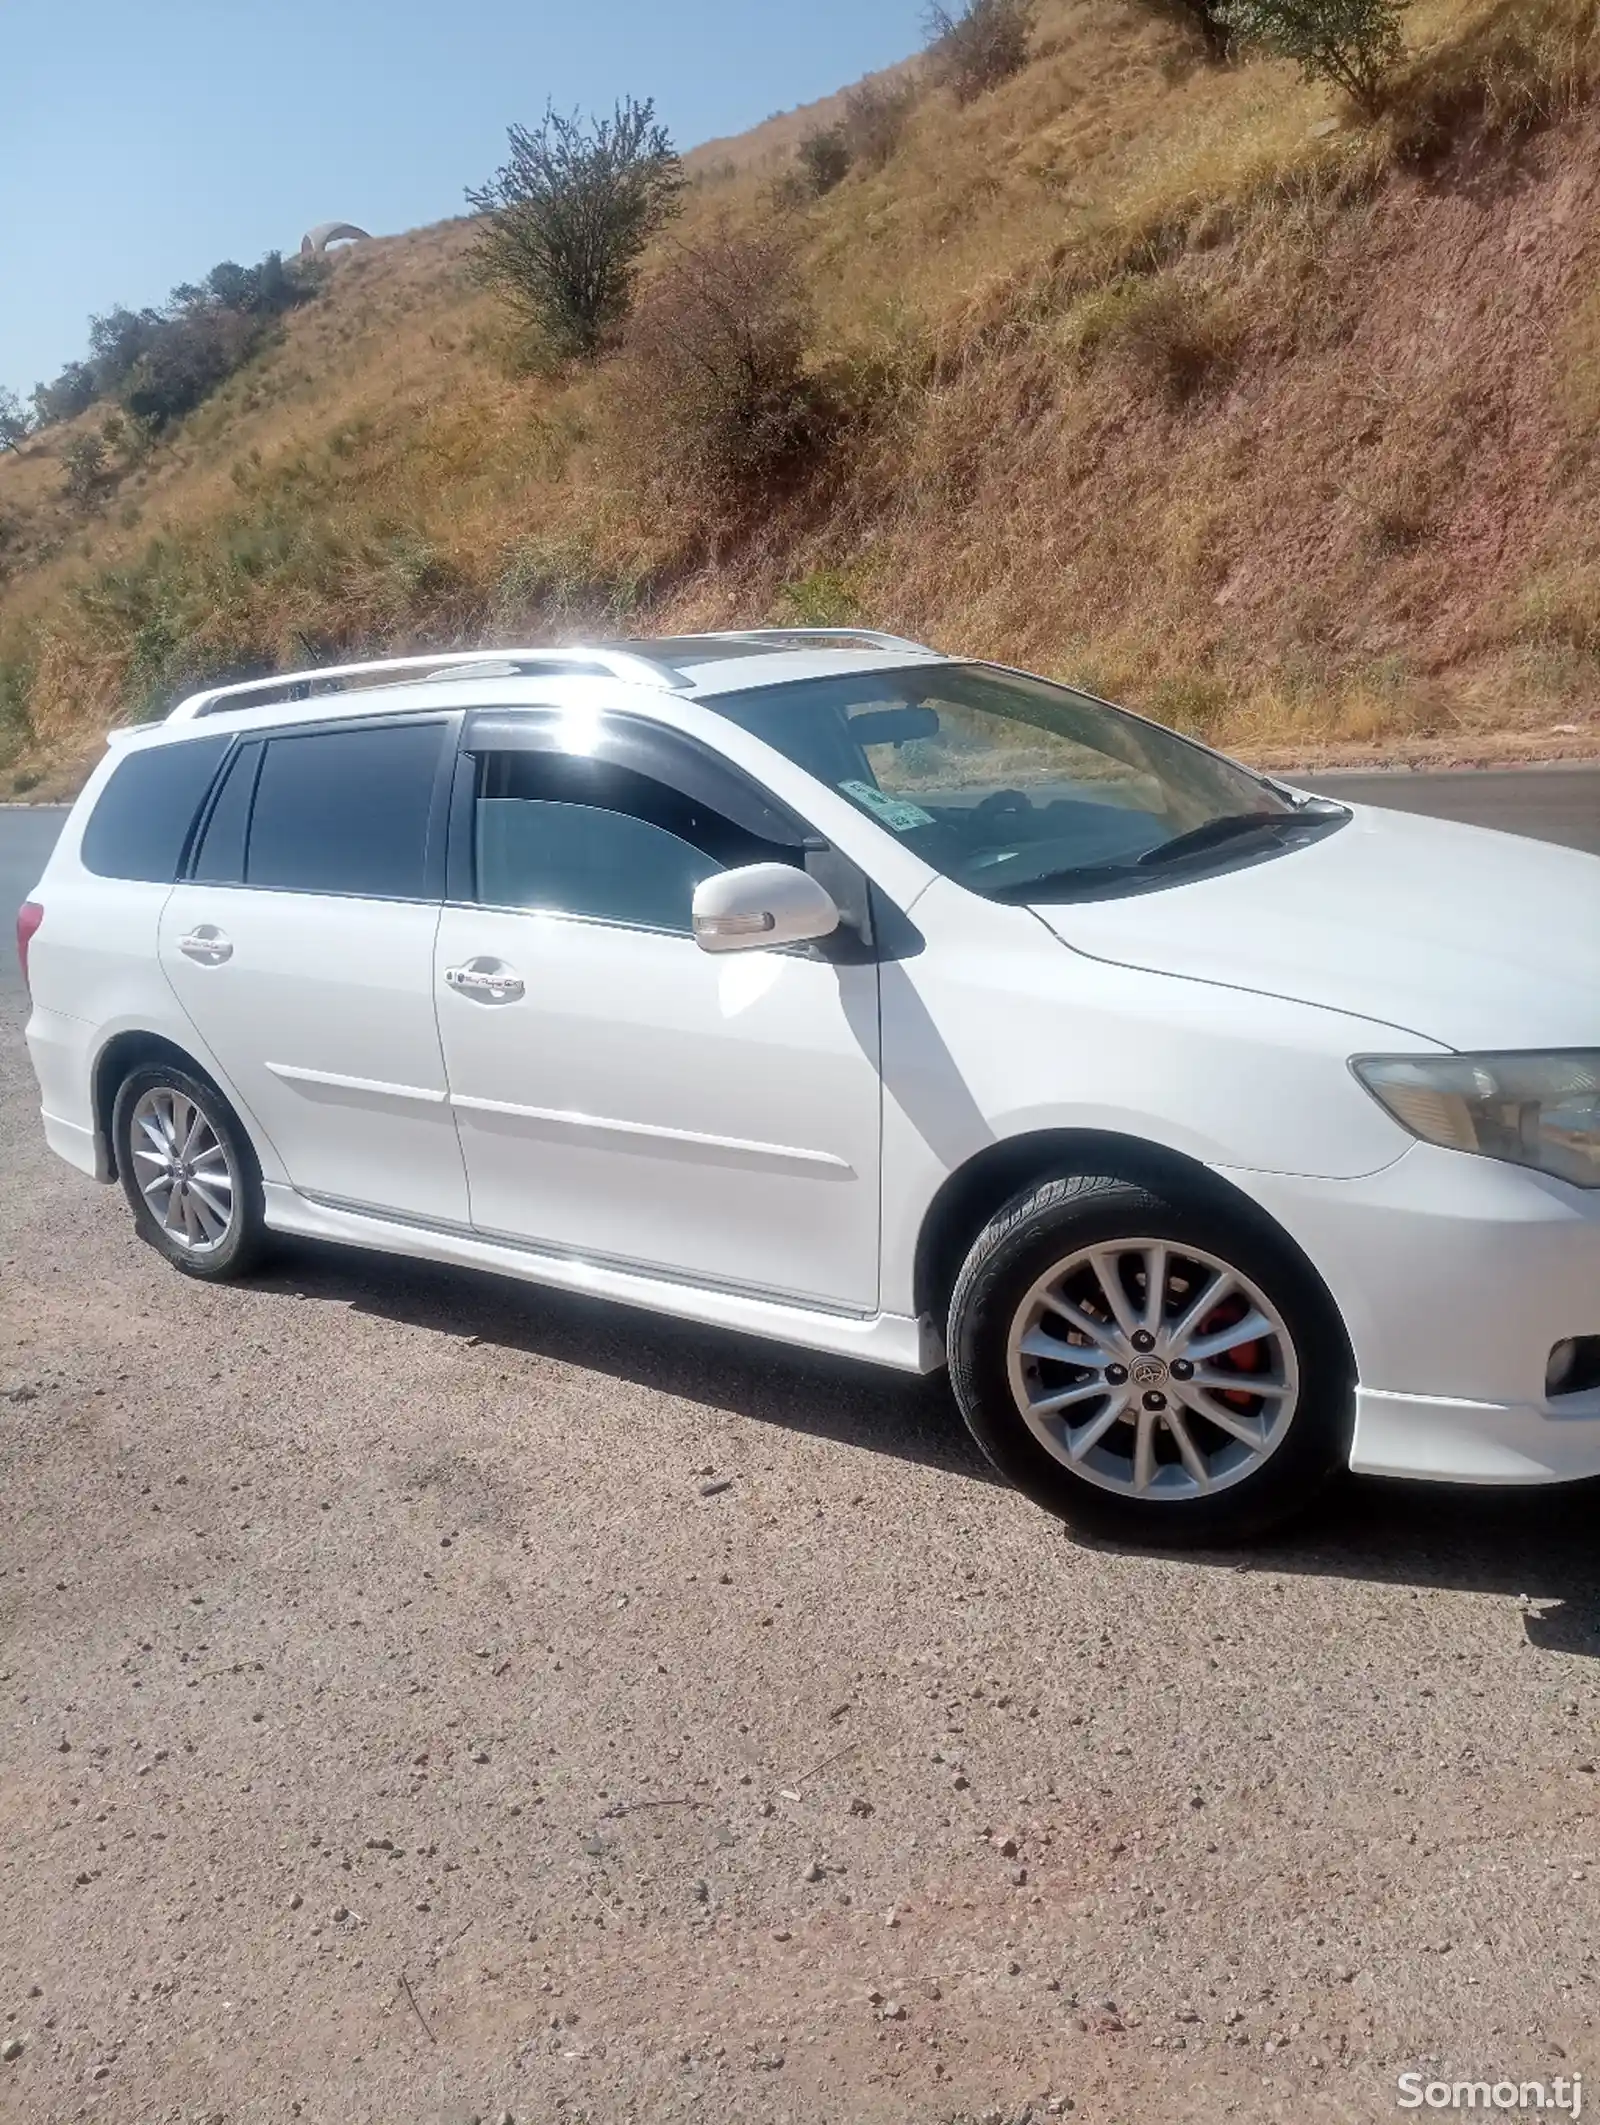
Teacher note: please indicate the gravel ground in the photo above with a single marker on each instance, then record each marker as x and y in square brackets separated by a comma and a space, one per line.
[426, 1699]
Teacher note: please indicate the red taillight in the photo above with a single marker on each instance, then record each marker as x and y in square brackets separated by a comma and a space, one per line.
[29, 917]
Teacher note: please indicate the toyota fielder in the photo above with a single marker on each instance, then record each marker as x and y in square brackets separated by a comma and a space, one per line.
[821, 986]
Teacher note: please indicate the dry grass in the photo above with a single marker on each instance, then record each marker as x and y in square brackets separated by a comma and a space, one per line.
[1509, 70]
[1165, 332]
[1579, 369]
[1154, 372]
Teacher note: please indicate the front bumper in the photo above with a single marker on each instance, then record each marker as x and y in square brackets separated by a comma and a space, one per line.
[1476, 1442]
[1455, 1276]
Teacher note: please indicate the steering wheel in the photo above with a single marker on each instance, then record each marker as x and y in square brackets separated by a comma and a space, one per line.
[1004, 800]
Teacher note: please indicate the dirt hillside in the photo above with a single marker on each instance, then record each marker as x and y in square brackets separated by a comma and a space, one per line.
[1174, 378]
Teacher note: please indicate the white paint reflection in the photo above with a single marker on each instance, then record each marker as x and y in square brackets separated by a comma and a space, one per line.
[578, 731]
[744, 978]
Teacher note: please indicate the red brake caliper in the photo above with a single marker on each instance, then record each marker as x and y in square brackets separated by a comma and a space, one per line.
[1248, 1357]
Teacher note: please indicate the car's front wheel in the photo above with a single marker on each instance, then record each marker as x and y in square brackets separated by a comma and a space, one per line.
[1148, 1366]
[188, 1172]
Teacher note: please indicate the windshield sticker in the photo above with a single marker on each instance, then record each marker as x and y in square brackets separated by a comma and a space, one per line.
[893, 811]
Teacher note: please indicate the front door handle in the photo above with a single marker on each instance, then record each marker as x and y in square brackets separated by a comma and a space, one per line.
[486, 981]
[206, 945]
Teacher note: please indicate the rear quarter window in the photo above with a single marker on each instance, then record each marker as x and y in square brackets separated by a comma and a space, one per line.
[141, 821]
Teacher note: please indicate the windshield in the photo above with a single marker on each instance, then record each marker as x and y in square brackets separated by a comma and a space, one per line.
[1013, 786]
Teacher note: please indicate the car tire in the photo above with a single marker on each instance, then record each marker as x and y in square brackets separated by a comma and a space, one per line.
[1106, 1409]
[189, 1173]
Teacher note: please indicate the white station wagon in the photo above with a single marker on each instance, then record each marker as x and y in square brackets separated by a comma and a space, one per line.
[814, 984]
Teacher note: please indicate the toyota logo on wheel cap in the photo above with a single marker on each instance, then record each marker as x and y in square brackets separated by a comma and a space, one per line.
[1147, 1372]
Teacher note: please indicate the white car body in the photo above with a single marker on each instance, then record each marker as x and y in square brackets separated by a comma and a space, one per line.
[777, 1142]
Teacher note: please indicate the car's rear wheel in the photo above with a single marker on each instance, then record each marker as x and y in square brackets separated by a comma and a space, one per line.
[1148, 1366]
[188, 1172]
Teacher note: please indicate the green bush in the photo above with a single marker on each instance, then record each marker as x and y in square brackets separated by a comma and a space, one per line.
[864, 136]
[165, 616]
[822, 597]
[266, 290]
[117, 343]
[72, 393]
[185, 362]
[15, 425]
[16, 726]
[127, 435]
[84, 462]
[565, 220]
[162, 363]
[560, 585]
[822, 160]
[1353, 45]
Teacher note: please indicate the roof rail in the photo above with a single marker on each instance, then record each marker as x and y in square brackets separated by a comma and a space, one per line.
[874, 635]
[467, 663]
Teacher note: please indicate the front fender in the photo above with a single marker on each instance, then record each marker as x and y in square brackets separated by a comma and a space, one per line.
[999, 1031]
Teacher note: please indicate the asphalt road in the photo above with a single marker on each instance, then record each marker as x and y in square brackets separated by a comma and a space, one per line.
[27, 835]
[1548, 803]
[396, 1730]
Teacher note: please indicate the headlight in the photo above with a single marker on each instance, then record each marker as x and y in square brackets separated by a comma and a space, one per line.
[1532, 1110]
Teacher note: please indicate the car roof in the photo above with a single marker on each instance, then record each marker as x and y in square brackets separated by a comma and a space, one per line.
[688, 667]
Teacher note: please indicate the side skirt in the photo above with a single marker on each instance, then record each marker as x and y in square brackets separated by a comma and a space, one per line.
[890, 1339]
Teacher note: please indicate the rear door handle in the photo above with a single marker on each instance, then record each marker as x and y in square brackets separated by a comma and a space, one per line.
[206, 945]
[486, 981]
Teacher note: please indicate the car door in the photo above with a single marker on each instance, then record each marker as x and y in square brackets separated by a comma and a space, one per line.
[620, 1094]
[301, 945]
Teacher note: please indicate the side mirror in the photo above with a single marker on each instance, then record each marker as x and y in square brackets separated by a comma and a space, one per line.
[761, 905]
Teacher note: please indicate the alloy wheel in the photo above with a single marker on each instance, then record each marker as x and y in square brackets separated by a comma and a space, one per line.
[183, 1170]
[1153, 1369]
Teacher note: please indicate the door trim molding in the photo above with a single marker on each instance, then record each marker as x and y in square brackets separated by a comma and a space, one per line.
[295, 1074]
[570, 1118]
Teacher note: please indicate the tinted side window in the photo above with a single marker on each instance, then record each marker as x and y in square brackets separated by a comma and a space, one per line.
[219, 859]
[143, 816]
[581, 837]
[575, 859]
[346, 811]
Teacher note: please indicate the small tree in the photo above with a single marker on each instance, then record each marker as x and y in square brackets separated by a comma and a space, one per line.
[715, 386]
[116, 341]
[863, 136]
[823, 159]
[15, 425]
[979, 44]
[84, 461]
[875, 116]
[1352, 44]
[279, 286]
[185, 362]
[264, 290]
[232, 286]
[72, 393]
[567, 217]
